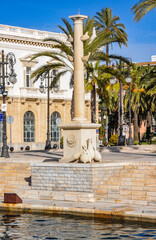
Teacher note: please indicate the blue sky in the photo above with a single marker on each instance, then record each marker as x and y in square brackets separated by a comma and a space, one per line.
[46, 15]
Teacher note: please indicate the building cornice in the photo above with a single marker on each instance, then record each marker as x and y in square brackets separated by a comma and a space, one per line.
[25, 42]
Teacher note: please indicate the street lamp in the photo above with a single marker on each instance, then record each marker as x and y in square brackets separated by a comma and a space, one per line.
[121, 137]
[128, 80]
[45, 84]
[9, 61]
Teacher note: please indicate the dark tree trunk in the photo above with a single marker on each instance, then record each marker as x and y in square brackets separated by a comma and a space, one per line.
[149, 119]
[136, 123]
[93, 104]
[149, 125]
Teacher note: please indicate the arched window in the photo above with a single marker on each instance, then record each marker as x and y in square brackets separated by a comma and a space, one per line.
[29, 127]
[55, 130]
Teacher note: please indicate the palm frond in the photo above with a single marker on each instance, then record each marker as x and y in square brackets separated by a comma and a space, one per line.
[141, 8]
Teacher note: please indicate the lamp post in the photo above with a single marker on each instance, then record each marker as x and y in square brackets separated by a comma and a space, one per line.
[121, 138]
[9, 61]
[128, 80]
[43, 86]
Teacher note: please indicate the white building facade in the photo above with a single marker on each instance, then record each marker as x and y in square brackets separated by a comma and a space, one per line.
[25, 103]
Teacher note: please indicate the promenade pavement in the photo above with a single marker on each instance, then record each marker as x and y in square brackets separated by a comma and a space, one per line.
[111, 154]
[95, 209]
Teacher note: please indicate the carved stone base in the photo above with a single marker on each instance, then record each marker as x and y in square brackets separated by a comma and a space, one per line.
[75, 135]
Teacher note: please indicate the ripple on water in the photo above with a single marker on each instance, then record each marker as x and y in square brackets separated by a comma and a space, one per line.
[45, 227]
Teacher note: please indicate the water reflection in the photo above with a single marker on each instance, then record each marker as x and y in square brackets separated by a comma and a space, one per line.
[30, 226]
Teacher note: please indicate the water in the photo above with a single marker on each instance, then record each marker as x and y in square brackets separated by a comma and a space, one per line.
[45, 227]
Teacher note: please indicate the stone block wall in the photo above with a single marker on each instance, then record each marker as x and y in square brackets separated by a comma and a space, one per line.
[62, 177]
[126, 182]
[15, 178]
[132, 183]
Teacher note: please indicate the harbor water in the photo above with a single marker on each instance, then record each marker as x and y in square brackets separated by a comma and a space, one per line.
[34, 226]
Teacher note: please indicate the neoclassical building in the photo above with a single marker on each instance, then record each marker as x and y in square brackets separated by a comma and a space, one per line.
[25, 103]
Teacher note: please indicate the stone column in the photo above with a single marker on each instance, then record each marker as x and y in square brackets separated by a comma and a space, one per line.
[79, 130]
[79, 92]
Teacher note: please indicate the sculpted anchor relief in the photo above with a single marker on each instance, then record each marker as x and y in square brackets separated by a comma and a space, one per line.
[71, 141]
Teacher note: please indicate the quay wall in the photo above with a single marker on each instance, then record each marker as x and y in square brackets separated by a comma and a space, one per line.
[132, 183]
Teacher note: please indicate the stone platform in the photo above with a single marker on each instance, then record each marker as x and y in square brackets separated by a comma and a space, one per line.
[115, 188]
[126, 182]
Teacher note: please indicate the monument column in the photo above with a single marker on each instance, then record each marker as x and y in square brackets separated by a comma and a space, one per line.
[79, 93]
[79, 130]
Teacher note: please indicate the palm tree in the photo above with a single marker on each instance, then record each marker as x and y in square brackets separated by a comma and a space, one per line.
[106, 23]
[142, 7]
[138, 97]
[92, 77]
[149, 82]
[62, 54]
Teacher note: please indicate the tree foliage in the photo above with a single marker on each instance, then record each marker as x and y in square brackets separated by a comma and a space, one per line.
[142, 7]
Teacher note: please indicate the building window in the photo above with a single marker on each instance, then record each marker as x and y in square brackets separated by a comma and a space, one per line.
[29, 127]
[28, 79]
[55, 130]
[1, 131]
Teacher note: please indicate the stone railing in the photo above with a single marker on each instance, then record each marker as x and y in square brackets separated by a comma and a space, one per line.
[29, 32]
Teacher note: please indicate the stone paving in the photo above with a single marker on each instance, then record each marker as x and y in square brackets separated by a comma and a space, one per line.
[111, 154]
[95, 209]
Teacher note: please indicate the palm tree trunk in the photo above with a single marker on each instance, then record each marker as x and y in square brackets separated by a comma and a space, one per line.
[149, 119]
[107, 52]
[149, 124]
[136, 123]
[93, 104]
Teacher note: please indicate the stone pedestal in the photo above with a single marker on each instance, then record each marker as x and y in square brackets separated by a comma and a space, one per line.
[75, 136]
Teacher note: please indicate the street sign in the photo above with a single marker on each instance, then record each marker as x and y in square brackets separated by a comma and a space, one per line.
[97, 131]
[10, 119]
[3, 107]
[1, 117]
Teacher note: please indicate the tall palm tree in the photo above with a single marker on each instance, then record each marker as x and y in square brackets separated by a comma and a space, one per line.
[149, 82]
[105, 22]
[138, 96]
[92, 77]
[62, 53]
[142, 7]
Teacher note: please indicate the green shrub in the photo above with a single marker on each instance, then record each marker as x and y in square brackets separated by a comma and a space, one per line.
[113, 140]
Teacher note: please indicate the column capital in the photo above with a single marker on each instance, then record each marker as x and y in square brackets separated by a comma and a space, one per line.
[78, 17]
